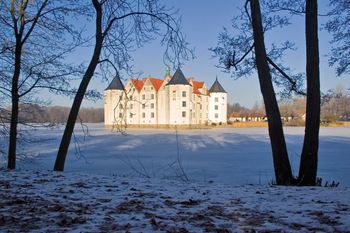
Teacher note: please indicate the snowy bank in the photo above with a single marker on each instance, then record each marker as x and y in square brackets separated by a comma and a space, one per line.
[79, 202]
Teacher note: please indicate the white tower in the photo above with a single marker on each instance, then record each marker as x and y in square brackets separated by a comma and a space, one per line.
[114, 107]
[217, 104]
[179, 92]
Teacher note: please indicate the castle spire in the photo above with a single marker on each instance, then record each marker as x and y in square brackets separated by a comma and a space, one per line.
[167, 71]
[216, 87]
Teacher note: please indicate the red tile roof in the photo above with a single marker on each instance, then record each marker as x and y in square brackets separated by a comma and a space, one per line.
[157, 83]
[138, 84]
[196, 86]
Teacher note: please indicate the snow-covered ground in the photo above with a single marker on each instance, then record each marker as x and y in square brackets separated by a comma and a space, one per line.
[78, 202]
[105, 188]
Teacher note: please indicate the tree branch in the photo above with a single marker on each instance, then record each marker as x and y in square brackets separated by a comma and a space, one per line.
[109, 25]
[36, 18]
[244, 55]
[294, 88]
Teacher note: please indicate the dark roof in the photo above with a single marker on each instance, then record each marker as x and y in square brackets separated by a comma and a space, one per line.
[216, 87]
[116, 84]
[178, 78]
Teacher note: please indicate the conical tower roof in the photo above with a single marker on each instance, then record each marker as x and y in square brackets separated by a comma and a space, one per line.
[178, 78]
[216, 87]
[116, 84]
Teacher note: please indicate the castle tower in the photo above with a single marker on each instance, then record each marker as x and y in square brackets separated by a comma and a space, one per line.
[179, 91]
[114, 98]
[217, 104]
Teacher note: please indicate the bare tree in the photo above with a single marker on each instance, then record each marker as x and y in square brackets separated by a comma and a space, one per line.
[233, 52]
[119, 27]
[338, 26]
[309, 155]
[336, 104]
[282, 167]
[35, 37]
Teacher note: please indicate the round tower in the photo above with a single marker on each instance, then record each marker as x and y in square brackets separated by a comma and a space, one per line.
[217, 104]
[113, 102]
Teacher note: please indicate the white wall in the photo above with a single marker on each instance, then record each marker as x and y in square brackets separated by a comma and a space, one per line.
[148, 104]
[218, 107]
[113, 113]
[176, 108]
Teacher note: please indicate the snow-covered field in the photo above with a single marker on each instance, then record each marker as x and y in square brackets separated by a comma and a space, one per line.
[77, 202]
[106, 189]
[223, 155]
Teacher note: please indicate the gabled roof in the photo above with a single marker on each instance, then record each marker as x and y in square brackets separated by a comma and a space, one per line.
[216, 87]
[116, 84]
[138, 84]
[178, 78]
[157, 83]
[196, 86]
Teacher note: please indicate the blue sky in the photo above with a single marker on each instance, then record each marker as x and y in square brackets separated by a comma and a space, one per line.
[202, 21]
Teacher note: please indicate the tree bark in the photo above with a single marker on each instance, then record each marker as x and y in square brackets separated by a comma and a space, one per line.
[309, 155]
[11, 163]
[283, 173]
[73, 114]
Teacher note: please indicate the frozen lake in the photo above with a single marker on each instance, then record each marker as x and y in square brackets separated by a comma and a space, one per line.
[225, 155]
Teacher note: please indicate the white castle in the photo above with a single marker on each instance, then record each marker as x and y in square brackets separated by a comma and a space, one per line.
[172, 101]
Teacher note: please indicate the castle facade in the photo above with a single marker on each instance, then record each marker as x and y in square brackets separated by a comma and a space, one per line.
[172, 101]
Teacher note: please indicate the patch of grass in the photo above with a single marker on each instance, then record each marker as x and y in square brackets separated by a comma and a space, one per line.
[335, 124]
[248, 124]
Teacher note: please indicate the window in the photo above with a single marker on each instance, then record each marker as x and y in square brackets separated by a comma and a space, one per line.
[143, 106]
[183, 114]
[120, 115]
[183, 103]
[151, 88]
[216, 99]
[200, 107]
[216, 107]
[143, 96]
[216, 115]
[120, 106]
[152, 114]
[131, 115]
[143, 115]
[174, 95]
[152, 105]
[184, 94]
[131, 106]
[152, 96]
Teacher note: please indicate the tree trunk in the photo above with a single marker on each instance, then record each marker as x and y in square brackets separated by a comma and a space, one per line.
[308, 161]
[283, 173]
[73, 114]
[11, 162]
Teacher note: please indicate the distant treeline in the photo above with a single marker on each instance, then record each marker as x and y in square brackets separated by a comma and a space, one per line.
[34, 113]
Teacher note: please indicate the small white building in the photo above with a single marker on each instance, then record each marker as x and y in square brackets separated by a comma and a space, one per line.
[171, 101]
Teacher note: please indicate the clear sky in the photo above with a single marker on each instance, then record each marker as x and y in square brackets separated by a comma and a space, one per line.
[202, 21]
